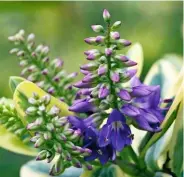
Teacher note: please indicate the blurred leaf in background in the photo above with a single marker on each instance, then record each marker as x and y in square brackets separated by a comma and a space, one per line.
[157, 26]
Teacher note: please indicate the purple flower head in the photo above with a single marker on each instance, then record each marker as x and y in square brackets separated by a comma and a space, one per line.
[82, 106]
[103, 92]
[144, 110]
[116, 132]
[104, 154]
[115, 35]
[115, 77]
[108, 51]
[124, 95]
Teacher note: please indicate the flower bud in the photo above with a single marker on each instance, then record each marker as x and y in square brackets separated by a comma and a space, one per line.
[81, 84]
[68, 132]
[20, 53]
[45, 50]
[89, 78]
[123, 43]
[57, 63]
[12, 38]
[59, 166]
[50, 127]
[115, 35]
[88, 166]
[51, 90]
[88, 52]
[54, 111]
[115, 77]
[46, 99]
[47, 136]
[97, 28]
[116, 25]
[45, 71]
[106, 15]
[90, 40]
[31, 110]
[89, 66]
[57, 147]
[122, 58]
[102, 70]
[103, 92]
[128, 74]
[32, 126]
[41, 155]
[39, 48]
[61, 137]
[30, 38]
[39, 142]
[130, 63]
[14, 50]
[99, 39]
[76, 163]
[93, 56]
[108, 52]
[123, 94]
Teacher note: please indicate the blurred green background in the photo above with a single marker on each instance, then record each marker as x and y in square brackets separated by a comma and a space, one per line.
[64, 25]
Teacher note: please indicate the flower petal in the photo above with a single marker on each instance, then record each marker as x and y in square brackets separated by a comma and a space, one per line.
[116, 115]
[130, 110]
[104, 136]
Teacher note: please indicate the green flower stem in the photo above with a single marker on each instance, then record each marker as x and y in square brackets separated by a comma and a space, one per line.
[108, 43]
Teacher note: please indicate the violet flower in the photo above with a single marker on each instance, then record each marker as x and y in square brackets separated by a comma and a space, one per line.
[116, 132]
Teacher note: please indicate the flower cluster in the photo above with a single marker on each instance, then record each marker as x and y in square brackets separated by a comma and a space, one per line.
[104, 96]
[10, 120]
[57, 138]
[38, 68]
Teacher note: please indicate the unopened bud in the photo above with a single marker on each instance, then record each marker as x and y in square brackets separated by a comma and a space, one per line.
[41, 155]
[97, 28]
[116, 25]
[106, 15]
[30, 38]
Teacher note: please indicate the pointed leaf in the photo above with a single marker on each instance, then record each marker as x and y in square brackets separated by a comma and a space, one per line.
[26, 90]
[176, 145]
[164, 73]
[14, 81]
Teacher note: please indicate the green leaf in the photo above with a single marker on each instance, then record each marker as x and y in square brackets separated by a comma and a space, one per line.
[135, 53]
[25, 90]
[11, 142]
[14, 81]
[164, 73]
[176, 145]
[161, 174]
[41, 169]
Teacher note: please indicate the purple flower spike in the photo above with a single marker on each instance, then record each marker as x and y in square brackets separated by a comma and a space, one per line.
[102, 70]
[123, 94]
[106, 15]
[90, 40]
[81, 84]
[115, 35]
[108, 51]
[103, 92]
[115, 77]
